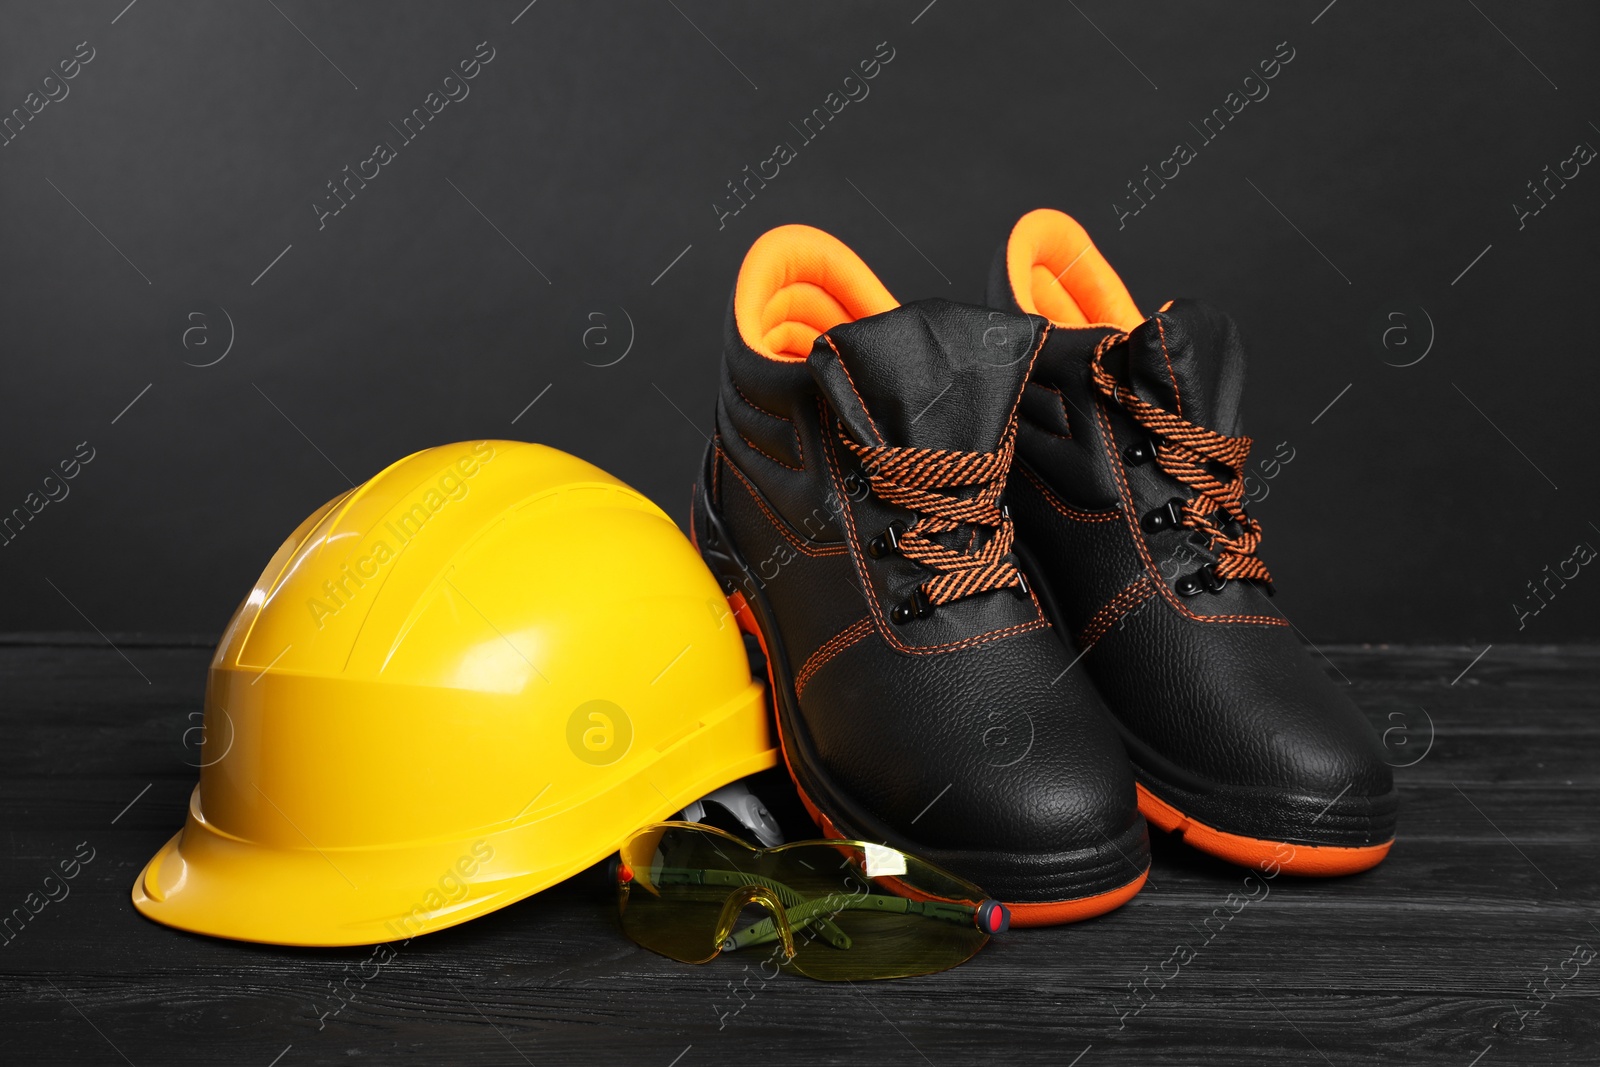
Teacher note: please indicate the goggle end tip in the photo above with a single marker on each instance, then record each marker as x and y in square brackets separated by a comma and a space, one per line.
[992, 917]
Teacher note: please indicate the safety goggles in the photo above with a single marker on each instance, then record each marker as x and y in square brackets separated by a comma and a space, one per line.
[832, 910]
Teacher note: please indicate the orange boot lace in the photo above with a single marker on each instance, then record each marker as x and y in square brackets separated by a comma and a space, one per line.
[1191, 453]
[929, 483]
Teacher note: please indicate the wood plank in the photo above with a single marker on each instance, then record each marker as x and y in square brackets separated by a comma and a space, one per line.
[1427, 959]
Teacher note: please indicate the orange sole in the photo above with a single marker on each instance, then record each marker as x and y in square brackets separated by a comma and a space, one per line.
[1056, 912]
[1026, 913]
[1312, 861]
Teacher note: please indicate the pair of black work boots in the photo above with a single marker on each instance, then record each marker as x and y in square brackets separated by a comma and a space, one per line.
[999, 561]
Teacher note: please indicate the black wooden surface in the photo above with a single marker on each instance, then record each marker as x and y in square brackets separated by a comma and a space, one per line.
[1464, 948]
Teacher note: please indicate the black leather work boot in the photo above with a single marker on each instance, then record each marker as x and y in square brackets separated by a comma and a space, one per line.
[850, 505]
[1128, 497]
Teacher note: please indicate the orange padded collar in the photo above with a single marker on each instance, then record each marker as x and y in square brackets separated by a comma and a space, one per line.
[1057, 272]
[798, 282]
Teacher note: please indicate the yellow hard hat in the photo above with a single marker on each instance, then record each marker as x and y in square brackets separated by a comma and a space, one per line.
[452, 687]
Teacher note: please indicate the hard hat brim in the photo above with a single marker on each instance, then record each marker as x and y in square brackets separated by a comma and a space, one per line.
[208, 882]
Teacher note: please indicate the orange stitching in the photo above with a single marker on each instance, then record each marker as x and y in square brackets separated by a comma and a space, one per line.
[969, 642]
[809, 548]
[758, 450]
[1134, 594]
[1062, 506]
[924, 480]
[878, 619]
[1086, 326]
[799, 445]
[1062, 398]
[1113, 609]
[1189, 452]
[716, 470]
[852, 382]
[1043, 336]
[1023, 384]
[1161, 332]
[831, 648]
[758, 407]
[1108, 443]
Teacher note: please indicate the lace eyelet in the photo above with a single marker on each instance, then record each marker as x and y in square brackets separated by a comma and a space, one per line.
[916, 606]
[1204, 580]
[1167, 517]
[886, 542]
[1139, 453]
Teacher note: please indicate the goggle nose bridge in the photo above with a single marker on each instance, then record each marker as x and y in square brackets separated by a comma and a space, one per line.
[744, 896]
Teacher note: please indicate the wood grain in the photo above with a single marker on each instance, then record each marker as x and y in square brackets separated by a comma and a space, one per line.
[1428, 959]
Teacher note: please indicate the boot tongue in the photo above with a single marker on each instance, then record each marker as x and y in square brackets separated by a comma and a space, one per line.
[1189, 359]
[930, 374]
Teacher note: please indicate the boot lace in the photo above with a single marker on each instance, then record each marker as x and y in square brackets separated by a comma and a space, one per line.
[1191, 454]
[930, 482]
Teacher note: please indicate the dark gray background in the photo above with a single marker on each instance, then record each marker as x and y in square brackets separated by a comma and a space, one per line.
[1386, 158]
